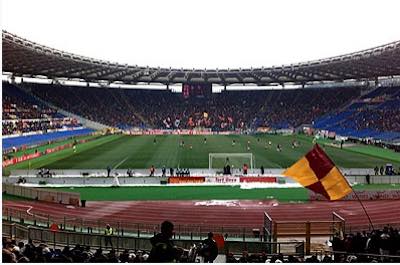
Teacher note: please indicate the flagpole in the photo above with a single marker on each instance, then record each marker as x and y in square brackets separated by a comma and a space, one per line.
[308, 164]
[365, 210]
[358, 198]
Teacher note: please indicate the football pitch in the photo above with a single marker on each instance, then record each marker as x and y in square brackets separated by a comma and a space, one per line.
[121, 152]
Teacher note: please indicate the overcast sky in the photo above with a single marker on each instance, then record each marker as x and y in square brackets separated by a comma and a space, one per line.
[206, 33]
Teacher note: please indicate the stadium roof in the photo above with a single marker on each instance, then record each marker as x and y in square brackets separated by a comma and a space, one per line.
[25, 58]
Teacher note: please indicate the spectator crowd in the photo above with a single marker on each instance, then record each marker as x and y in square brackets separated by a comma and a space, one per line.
[228, 110]
[23, 252]
[377, 111]
[22, 113]
[379, 242]
[373, 246]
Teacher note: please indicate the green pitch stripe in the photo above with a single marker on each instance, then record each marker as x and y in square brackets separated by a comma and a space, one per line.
[46, 160]
[188, 193]
[376, 152]
[55, 144]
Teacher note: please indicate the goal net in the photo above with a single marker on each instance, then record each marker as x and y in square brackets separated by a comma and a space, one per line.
[235, 160]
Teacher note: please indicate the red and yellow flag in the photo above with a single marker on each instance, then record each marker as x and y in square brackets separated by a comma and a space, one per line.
[317, 172]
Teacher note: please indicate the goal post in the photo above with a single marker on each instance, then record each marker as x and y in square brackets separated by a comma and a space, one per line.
[235, 160]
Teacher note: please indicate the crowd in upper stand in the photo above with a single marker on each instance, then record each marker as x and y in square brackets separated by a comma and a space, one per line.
[377, 111]
[228, 110]
[24, 126]
[106, 106]
[381, 110]
[22, 113]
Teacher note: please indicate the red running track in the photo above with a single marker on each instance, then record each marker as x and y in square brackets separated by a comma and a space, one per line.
[239, 214]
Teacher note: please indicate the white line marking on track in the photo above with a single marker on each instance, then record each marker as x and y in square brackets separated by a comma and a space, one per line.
[30, 207]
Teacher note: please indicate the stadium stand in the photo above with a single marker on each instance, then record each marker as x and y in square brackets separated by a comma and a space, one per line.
[30, 252]
[107, 106]
[20, 105]
[22, 113]
[342, 110]
[375, 115]
[228, 110]
[375, 246]
[27, 121]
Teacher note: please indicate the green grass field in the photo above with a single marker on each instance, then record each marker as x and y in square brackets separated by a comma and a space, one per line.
[119, 151]
[52, 145]
[201, 193]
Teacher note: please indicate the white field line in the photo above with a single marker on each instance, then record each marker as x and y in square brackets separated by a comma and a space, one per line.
[120, 163]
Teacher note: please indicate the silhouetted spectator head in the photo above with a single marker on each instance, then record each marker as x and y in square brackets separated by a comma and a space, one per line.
[167, 228]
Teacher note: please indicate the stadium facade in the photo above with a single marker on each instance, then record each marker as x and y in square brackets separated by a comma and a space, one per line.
[22, 57]
[56, 135]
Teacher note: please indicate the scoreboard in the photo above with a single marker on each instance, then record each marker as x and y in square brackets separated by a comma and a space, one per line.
[196, 90]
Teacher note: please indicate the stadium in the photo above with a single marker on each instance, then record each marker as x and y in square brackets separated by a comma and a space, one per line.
[89, 144]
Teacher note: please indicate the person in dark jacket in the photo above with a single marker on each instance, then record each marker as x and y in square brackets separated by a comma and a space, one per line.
[210, 249]
[368, 179]
[163, 248]
[108, 171]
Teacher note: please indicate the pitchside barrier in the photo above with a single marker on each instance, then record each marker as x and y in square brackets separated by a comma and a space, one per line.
[58, 238]
[106, 182]
[86, 181]
[374, 179]
[274, 230]
[145, 180]
[55, 173]
[72, 198]
[353, 174]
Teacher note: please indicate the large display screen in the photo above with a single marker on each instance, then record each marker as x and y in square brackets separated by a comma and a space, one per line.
[199, 90]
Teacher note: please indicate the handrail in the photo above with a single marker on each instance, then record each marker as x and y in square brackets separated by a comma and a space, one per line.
[66, 238]
[268, 216]
[338, 216]
[125, 227]
[303, 222]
